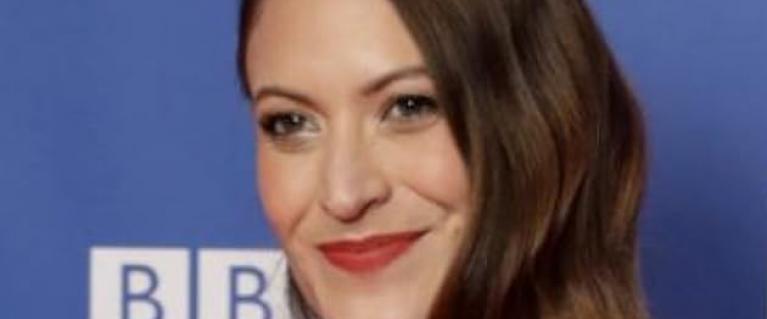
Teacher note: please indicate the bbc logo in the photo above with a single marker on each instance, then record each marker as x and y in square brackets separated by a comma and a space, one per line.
[171, 283]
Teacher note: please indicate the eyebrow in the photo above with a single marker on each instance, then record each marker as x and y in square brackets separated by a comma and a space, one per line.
[374, 86]
[395, 75]
[276, 90]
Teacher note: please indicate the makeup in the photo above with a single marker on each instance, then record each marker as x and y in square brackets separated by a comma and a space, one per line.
[369, 254]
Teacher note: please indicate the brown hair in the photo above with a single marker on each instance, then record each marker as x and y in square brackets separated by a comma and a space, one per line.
[554, 142]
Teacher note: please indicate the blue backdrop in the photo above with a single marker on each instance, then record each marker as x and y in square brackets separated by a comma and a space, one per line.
[121, 125]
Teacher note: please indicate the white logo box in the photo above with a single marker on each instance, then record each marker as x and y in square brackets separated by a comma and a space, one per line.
[158, 283]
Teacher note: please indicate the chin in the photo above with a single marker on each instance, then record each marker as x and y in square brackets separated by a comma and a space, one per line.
[402, 289]
[375, 307]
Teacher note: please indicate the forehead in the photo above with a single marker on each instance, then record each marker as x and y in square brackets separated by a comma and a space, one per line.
[300, 38]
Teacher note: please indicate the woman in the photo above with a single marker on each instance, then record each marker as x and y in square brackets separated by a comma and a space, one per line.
[445, 159]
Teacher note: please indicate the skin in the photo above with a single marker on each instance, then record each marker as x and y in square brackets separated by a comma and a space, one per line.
[342, 156]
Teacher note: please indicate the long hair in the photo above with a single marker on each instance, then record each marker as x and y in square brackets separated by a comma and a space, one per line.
[553, 139]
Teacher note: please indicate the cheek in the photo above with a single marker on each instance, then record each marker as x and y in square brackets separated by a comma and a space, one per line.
[285, 189]
[432, 166]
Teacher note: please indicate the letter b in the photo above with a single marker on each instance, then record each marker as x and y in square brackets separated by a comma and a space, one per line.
[241, 284]
[132, 295]
[238, 296]
[146, 283]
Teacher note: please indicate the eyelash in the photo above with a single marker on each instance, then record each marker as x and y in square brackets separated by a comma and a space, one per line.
[411, 108]
[282, 123]
[425, 105]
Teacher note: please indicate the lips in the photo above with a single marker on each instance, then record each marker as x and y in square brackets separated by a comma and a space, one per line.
[369, 254]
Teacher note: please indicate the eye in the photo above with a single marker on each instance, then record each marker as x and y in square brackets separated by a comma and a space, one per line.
[411, 108]
[285, 124]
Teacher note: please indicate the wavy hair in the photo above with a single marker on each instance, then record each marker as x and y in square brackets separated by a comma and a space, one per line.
[554, 142]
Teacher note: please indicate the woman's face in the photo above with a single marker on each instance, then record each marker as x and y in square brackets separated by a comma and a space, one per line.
[358, 171]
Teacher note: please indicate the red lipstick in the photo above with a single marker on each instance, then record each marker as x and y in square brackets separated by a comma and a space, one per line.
[368, 254]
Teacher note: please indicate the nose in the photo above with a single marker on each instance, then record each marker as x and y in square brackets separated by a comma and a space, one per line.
[352, 182]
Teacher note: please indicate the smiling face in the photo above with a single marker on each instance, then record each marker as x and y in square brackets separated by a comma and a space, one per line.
[358, 171]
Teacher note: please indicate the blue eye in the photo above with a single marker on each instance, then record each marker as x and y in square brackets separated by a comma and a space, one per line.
[411, 107]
